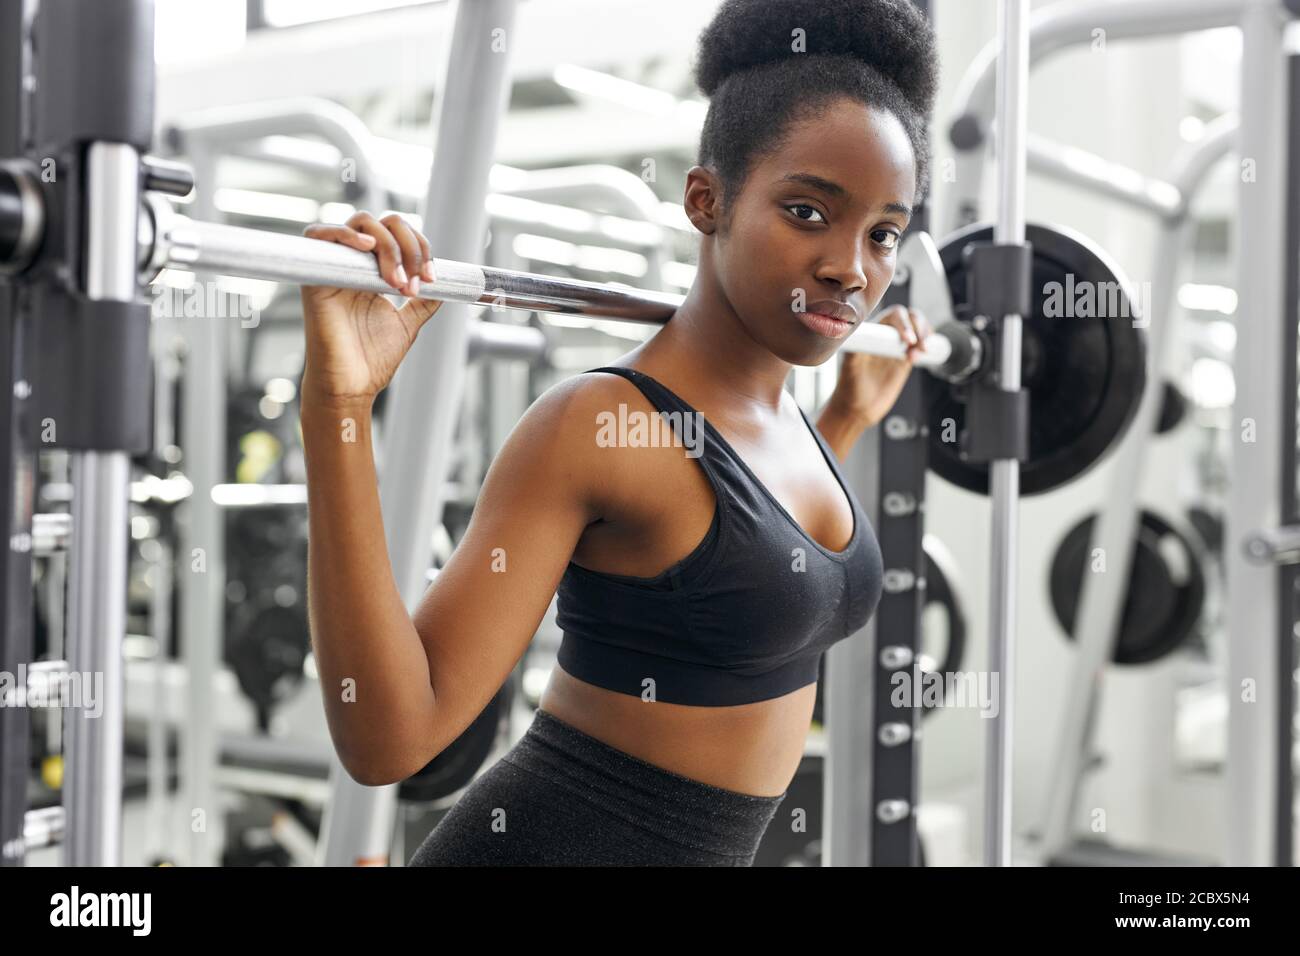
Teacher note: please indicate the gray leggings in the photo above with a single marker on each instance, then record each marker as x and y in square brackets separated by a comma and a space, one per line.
[560, 797]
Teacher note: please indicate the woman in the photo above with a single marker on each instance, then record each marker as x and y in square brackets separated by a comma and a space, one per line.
[697, 589]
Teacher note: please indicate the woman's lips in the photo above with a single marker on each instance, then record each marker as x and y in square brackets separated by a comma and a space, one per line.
[825, 325]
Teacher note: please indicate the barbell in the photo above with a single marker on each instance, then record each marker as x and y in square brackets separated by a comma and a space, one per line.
[1084, 372]
[171, 240]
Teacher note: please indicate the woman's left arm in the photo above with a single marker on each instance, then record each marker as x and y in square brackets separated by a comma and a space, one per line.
[842, 426]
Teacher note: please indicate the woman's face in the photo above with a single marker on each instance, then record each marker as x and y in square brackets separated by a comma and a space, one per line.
[817, 225]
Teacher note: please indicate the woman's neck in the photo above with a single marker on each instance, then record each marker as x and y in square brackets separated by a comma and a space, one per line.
[708, 346]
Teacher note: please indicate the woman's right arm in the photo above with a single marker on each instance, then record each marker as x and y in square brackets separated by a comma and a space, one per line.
[399, 688]
[361, 633]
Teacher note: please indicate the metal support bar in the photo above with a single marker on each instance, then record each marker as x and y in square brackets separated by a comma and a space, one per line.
[162, 571]
[1288, 578]
[213, 131]
[92, 787]
[201, 564]
[496, 340]
[17, 455]
[1252, 620]
[92, 791]
[1004, 477]
[1079, 167]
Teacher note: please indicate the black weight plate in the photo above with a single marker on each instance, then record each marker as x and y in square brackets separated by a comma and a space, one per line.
[1161, 605]
[1084, 375]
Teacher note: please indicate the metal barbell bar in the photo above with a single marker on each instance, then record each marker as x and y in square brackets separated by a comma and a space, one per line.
[172, 240]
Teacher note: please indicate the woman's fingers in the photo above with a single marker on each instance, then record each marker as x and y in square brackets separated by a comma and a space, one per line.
[403, 254]
[412, 252]
[344, 235]
[920, 329]
[386, 249]
[909, 326]
[897, 317]
[922, 326]
[915, 334]
[912, 328]
[427, 271]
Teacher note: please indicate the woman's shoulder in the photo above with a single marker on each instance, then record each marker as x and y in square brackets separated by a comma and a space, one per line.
[586, 421]
[576, 405]
[563, 424]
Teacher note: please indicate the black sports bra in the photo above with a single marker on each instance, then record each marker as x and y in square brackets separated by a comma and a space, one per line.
[746, 615]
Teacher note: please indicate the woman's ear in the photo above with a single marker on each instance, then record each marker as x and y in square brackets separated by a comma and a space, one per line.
[703, 199]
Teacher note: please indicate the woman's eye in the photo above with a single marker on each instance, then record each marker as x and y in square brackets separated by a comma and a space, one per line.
[887, 238]
[812, 209]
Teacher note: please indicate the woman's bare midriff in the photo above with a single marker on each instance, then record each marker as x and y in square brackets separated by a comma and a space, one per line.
[750, 748]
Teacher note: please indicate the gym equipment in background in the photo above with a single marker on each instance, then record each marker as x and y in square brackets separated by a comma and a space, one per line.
[1166, 590]
[93, 312]
[943, 601]
[1083, 361]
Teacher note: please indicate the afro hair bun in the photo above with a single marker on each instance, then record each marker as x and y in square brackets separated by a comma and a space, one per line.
[892, 36]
